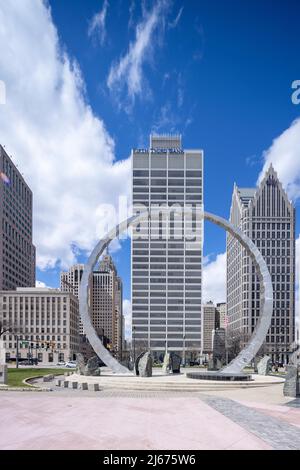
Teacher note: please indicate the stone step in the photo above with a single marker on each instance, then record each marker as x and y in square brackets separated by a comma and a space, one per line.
[142, 386]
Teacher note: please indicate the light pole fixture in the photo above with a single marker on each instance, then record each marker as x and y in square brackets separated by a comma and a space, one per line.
[17, 353]
[183, 352]
[133, 340]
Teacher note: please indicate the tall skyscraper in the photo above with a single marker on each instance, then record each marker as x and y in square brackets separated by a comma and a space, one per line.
[221, 315]
[208, 325]
[267, 216]
[106, 299]
[106, 303]
[166, 264]
[17, 252]
[119, 317]
[70, 282]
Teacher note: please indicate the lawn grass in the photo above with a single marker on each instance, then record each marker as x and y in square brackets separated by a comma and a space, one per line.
[16, 376]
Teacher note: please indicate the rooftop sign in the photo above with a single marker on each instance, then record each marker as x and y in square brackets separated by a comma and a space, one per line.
[158, 151]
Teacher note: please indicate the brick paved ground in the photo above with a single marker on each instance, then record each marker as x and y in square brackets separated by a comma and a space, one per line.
[279, 434]
[70, 419]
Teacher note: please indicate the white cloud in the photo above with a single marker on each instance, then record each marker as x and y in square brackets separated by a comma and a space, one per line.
[97, 23]
[166, 120]
[2, 92]
[174, 23]
[284, 154]
[180, 91]
[131, 14]
[40, 284]
[125, 79]
[64, 150]
[128, 318]
[214, 279]
[298, 285]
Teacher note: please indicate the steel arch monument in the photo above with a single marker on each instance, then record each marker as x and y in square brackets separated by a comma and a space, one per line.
[263, 324]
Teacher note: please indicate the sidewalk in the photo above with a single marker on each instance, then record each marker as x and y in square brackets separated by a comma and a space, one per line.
[45, 421]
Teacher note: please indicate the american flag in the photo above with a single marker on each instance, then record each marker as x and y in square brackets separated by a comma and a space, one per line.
[4, 178]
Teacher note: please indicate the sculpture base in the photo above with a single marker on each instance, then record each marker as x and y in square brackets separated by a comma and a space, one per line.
[225, 376]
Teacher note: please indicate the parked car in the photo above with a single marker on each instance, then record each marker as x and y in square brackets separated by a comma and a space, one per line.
[28, 362]
[71, 364]
[25, 363]
[61, 363]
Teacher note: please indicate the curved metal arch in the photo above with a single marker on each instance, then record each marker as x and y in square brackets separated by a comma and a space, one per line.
[266, 300]
[266, 309]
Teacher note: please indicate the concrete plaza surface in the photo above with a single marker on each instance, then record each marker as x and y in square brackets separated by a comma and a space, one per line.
[258, 418]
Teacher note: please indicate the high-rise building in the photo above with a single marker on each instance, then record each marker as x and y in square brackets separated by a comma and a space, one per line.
[44, 322]
[267, 216]
[17, 252]
[221, 315]
[119, 317]
[106, 303]
[106, 300]
[70, 282]
[208, 326]
[166, 264]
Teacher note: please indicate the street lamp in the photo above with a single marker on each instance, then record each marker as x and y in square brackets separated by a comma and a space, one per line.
[17, 349]
[133, 338]
[183, 354]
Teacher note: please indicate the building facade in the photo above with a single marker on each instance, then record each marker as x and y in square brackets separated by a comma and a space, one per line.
[119, 318]
[166, 263]
[106, 303]
[44, 323]
[221, 315]
[208, 327]
[17, 252]
[70, 282]
[267, 216]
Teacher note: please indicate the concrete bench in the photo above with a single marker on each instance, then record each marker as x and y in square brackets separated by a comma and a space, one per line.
[48, 378]
[73, 385]
[93, 387]
[83, 386]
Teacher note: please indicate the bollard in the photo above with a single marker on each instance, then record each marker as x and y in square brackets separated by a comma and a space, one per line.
[93, 387]
[73, 385]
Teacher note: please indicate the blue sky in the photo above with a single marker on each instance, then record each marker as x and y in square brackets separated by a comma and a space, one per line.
[234, 63]
[218, 72]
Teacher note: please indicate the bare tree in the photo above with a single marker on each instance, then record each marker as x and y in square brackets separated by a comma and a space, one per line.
[8, 328]
[235, 341]
[3, 328]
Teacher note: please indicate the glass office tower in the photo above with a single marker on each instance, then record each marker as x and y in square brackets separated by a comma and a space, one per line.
[167, 252]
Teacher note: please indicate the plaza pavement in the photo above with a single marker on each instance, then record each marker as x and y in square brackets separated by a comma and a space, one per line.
[259, 418]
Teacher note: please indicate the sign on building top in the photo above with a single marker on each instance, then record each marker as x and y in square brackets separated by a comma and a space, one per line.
[159, 151]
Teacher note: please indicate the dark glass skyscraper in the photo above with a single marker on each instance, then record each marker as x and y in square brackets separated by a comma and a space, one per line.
[17, 252]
